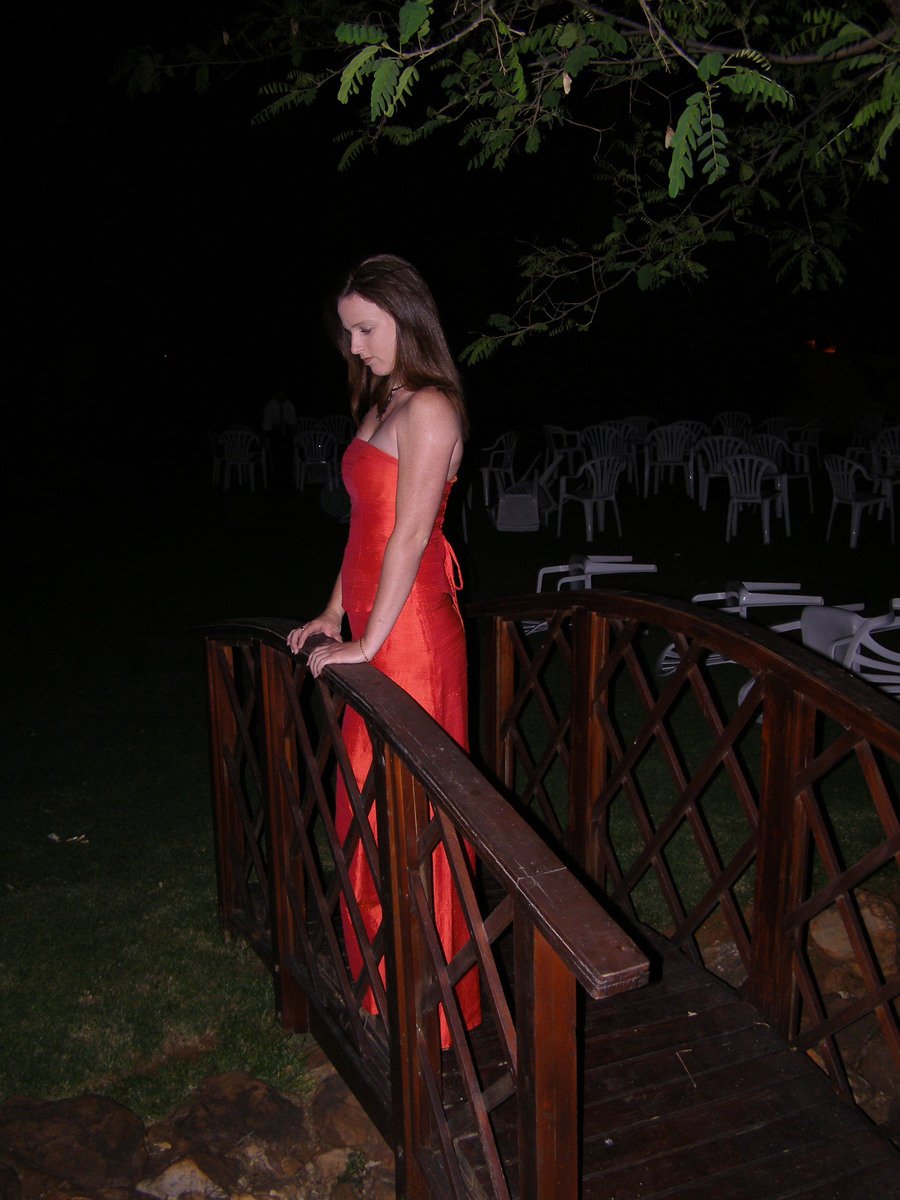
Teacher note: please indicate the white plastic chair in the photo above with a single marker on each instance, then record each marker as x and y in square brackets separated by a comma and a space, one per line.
[218, 455]
[498, 467]
[791, 463]
[525, 505]
[243, 451]
[857, 642]
[805, 439]
[581, 569]
[579, 573]
[564, 444]
[709, 458]
[829, 630]
[753, 481]
[340, 426]
[669, 449]
[603, 440]
[778, 425]
[734, 423]
[846, 475]
[871, 657]
[593, 486]
[315, 458]
[739, 598]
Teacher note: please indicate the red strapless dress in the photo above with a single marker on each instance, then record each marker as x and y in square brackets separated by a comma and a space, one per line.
[425, 653]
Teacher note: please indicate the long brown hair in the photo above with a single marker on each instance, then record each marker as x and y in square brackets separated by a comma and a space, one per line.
[423, 357]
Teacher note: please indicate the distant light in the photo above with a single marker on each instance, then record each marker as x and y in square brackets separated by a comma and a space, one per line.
[811, 343]
[831, 348]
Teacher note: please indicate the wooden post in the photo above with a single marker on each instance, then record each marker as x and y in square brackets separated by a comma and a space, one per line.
[286, 874]
[403, 811]
[229, 834]
[547, 1074]
[588, 765]
[788, 729]
[501, 688]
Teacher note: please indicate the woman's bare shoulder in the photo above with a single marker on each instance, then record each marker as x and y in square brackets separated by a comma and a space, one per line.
[429, 426]
[429, 405]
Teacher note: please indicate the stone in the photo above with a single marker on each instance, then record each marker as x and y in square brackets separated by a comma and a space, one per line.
[383, 1184]
[226, 1109]
[182, 1179]
[881, 917]
[339, 1118]
[90, 1141]
[324, 1171]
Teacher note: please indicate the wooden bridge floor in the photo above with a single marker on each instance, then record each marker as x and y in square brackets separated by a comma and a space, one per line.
[689, 1096]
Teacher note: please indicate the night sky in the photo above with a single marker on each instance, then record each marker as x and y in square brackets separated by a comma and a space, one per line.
[170, 261]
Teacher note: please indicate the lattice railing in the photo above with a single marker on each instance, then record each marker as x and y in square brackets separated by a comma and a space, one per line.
[529, 929]
[744, 801]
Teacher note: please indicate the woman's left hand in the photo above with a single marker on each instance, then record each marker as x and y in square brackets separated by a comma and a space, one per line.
[334, 654]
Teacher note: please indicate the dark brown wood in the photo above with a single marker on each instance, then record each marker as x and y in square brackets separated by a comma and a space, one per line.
[548, 1137]
[781, 861]
[689, 1089]
[222, 730]
[588, 768]
[404, 817]
[286, 874]
[499, 696]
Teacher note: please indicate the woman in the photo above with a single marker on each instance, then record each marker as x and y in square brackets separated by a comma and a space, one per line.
[397, 585]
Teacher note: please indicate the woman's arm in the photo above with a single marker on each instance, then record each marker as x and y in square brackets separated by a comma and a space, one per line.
[328, 621]
[428, 435]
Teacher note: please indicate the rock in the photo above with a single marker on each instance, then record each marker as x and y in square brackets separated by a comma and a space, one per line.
[182, 1179]
[234, 1138]
[881, 917]
[227, 1109]
[89, 1141]
[324, 1171]
[720, 954]
[339, 1117]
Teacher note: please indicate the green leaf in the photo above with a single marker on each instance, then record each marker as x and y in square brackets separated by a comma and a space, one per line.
[579, 58]
[351, 73]
[402, 90]
[412, 17]
[352, 151]
[689, 127]
[646, 276]
[359, 35]
[384, 82]
[607, 35]
[709, 66]
[745, 82]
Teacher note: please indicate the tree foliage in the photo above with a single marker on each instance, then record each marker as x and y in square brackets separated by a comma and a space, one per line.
[696, 122]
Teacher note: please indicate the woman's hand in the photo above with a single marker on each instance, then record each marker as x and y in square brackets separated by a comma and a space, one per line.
[327, 622]
[335, 654]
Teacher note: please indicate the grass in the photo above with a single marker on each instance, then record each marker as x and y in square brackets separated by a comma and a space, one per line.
[113, 974]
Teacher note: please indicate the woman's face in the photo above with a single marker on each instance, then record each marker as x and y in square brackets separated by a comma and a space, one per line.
[373, 333]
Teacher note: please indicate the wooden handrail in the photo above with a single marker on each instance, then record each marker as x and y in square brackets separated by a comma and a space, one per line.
[832, 688]
[591, 943]
[562, 931]
[811, 715]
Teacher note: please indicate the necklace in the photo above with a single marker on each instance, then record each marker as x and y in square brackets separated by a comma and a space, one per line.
[398, 387]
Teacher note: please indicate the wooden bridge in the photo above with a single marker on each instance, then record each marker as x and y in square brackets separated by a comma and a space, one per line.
[620, 811]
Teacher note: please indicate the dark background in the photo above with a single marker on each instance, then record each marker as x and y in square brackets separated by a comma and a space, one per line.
[170, 263]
